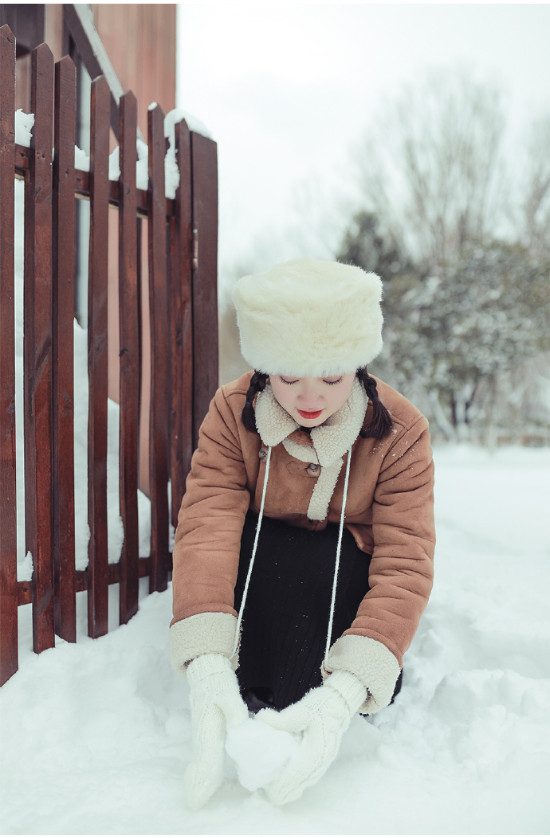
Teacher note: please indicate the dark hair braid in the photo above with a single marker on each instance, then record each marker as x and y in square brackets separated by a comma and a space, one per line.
[257, 384]
[379, 425]
[381, 421]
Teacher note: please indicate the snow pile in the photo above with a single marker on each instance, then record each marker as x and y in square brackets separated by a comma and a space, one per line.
[172, 175]
[82, 531]
[25, 122]
[171, 171]
[259, 751]
[465, 748]
[81, 159]
[194, 124]
[142, 172]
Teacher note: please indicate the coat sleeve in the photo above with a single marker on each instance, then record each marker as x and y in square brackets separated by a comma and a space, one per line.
[211, 519]
[401, 568]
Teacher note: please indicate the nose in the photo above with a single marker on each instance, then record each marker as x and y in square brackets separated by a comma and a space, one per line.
[309, 395]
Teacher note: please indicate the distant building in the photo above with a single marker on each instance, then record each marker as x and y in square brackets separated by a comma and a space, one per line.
[139, 39]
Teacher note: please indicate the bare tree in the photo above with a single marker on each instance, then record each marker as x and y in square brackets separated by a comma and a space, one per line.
[461, 239]
[431, 166]
[536, 203]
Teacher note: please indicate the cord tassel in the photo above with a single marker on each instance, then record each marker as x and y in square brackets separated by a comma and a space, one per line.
[338, 551]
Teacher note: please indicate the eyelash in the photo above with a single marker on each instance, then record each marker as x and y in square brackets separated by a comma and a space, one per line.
[330, 383]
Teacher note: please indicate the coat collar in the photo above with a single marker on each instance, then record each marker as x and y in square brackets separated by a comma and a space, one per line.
[330, 440]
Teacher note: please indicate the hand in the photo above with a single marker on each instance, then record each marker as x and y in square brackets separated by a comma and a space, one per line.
[323, 715]
[216, 703]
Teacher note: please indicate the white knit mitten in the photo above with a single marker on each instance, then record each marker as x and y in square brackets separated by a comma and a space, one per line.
[322, 716]
[216, 703]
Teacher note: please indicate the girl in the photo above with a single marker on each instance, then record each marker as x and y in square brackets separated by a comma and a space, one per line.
[303, 555]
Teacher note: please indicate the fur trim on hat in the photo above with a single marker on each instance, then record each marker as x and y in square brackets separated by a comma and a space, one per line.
[309, 317]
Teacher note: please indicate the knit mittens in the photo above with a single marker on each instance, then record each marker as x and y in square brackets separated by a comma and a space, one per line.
[322, 717]
[216, 703]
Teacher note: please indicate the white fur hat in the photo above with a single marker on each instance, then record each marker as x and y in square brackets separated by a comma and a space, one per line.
[309, 317]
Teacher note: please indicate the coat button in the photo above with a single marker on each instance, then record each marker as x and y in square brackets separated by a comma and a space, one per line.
[262, 454]
[313, 468]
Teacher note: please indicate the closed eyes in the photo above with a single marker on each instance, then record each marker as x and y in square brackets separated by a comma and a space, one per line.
[325, 381]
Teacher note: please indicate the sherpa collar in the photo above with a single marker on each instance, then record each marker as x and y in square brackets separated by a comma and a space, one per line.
[329, 442]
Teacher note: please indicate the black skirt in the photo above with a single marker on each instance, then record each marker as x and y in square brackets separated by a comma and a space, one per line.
[287, 610]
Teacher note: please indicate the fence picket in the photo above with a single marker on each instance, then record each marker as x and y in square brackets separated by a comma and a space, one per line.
[38, 349]
[98, 568]
[176, 365]
[63, 349]
[8, 498]
[205, 295]
[160, 384]
[181, 324]
[129, 359]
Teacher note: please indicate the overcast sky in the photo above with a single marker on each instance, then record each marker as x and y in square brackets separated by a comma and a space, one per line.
[286, 89]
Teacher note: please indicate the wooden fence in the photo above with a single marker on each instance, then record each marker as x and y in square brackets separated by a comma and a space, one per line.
[183, 337]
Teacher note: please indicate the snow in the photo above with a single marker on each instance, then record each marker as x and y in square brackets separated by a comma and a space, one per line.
[259, 752]
[25, 122]
[82, 160]
[23, 127]
[142, 173]
[114, 521]
[193, 123]
[171, 171]
[100, 731]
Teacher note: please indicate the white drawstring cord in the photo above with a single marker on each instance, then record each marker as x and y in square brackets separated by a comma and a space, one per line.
[256, 537]
[338, 549]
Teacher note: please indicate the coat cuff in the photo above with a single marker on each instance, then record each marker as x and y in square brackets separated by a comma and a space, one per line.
[202, 634]
[370, 661]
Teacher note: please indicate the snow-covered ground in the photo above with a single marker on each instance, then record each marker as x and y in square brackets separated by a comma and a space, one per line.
[95, 737]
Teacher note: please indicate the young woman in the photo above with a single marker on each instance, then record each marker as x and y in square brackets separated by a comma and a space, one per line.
[303, 556]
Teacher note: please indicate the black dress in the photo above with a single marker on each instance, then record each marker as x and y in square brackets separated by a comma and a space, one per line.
[285, 622]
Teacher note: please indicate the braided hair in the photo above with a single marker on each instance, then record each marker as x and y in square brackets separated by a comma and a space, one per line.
[257, 384]
[381, 422]
[379, 425]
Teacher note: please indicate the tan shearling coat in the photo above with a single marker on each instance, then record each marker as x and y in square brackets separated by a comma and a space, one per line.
[389, 511]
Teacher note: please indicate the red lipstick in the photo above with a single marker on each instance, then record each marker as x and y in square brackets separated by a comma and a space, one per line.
[310, 414]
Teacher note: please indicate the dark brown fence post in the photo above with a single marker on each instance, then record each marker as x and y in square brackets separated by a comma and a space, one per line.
[160, 337]
[38, 349]
[63, 349]
[184, 346]
[181, 323]
[205, 276]
[8, 499]
[98, 567]
[129, 359]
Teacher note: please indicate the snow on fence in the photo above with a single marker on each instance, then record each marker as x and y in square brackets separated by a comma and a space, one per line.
[183, 337]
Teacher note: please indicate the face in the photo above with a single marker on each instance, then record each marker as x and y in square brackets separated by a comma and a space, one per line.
[310, 401]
